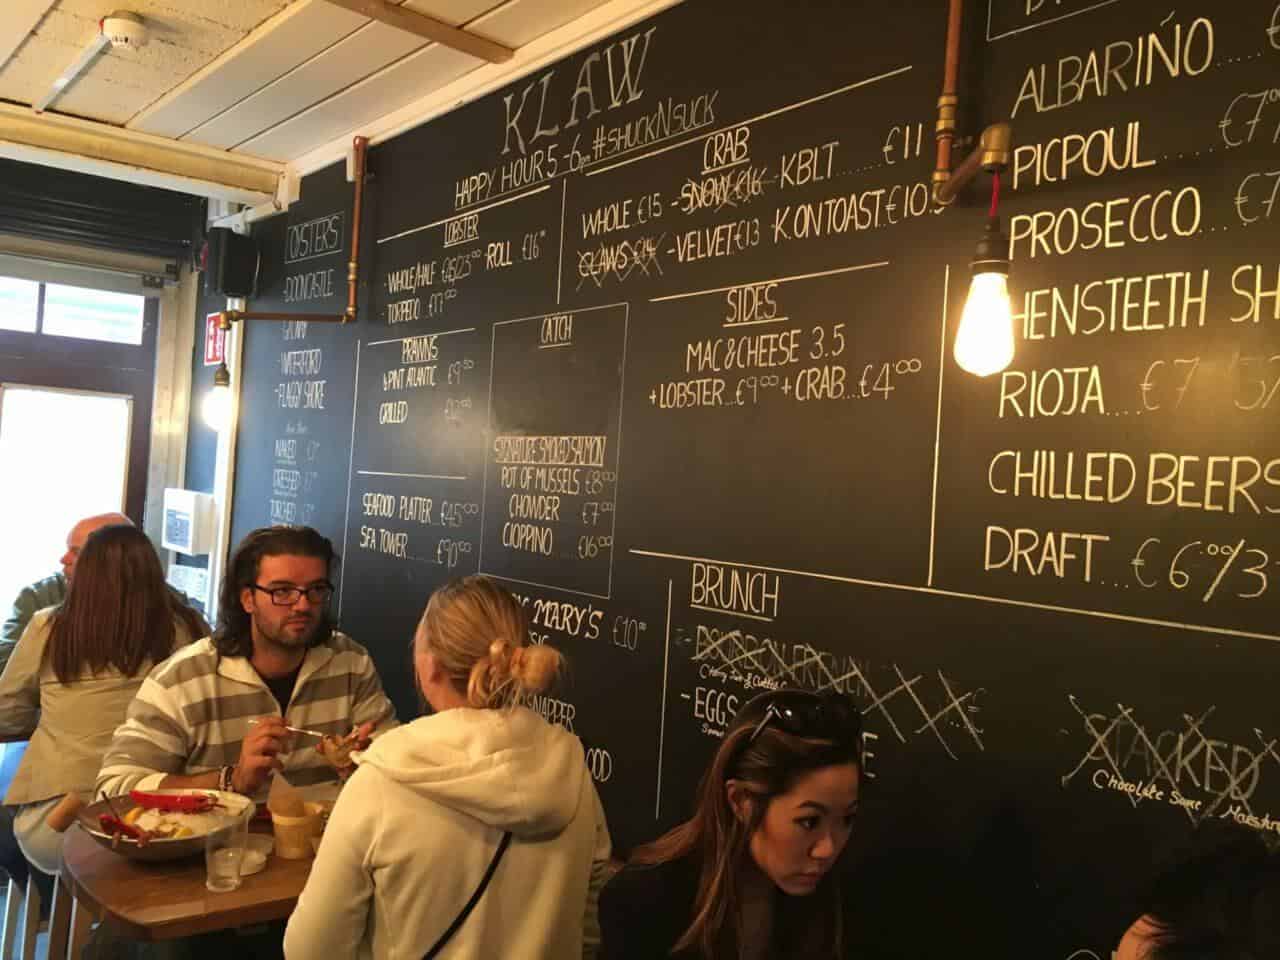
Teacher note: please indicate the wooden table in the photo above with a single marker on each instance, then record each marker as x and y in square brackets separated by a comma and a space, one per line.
[163, 901]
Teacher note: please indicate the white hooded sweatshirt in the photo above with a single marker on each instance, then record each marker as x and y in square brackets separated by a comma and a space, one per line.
[415, 829]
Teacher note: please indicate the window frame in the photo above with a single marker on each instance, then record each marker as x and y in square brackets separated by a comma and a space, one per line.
[39, 305]
[42, 300]
[100, 366]
[73, 349]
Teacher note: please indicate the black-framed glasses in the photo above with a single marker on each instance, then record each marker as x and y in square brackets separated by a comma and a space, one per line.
[287, 596]
[817, 716]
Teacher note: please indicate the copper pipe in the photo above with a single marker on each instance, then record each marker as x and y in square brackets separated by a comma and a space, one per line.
[993, 152]
[945, 191]
[948, 102]
[951, 66]
[361, 146]
[228, 317]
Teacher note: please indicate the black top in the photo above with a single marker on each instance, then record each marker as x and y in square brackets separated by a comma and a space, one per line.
[644, 910]
[282, 687]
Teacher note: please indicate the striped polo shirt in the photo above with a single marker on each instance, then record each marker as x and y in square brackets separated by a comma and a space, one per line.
[192, 713]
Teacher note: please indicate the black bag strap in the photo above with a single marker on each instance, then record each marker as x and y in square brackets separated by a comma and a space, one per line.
[461, 918]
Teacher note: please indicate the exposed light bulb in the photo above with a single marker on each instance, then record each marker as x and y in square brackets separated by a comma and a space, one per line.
[984, 341]
[217, 408]
[217, 402]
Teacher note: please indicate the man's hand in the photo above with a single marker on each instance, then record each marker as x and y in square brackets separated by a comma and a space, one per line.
[363, 735]
[338, 750]
[259, 755]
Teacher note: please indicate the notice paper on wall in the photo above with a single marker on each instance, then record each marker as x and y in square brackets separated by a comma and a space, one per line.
[193, 581]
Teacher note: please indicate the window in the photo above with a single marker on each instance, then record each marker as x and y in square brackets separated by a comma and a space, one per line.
[84, 313]
[19, 304]
[92, 314]
[65, 456]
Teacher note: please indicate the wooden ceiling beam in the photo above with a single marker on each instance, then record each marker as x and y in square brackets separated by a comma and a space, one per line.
[428, 27]
[103, 150]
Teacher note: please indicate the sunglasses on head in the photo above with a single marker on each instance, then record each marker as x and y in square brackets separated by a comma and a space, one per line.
[815, 716]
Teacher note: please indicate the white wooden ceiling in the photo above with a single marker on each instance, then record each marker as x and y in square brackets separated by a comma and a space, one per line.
[270, 78]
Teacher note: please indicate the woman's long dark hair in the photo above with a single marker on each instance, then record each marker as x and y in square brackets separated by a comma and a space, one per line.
[234, 636]
[768, 765]
[118, 612]
[1220, 901]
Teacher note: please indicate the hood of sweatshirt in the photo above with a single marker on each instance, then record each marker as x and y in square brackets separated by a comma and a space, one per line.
[507, 768]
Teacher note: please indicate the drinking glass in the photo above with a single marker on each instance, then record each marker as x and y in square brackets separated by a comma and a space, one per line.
[224, 853]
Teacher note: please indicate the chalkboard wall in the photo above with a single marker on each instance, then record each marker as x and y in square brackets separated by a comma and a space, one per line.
[661, 335]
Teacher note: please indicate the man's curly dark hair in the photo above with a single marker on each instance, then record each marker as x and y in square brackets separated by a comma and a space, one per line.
[234, 635]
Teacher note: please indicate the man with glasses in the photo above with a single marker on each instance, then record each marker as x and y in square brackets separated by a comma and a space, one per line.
[228, 710]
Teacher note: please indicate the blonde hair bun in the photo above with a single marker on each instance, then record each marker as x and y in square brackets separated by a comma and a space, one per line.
[535, 667]
[479, 632]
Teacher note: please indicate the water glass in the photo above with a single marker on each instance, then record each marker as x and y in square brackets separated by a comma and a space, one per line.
[224, 854]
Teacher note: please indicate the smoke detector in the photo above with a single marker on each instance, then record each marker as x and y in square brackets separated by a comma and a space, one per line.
[125, 30]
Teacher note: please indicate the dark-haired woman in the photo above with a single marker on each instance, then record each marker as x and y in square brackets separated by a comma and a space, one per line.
[75, 670]
[1219, 901]
[750, 874]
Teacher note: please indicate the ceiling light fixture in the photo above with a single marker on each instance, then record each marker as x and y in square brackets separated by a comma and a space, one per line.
[984, 340]
[217, 402]
[120, 30]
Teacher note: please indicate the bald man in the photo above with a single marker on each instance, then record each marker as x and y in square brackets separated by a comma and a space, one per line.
[52, 590]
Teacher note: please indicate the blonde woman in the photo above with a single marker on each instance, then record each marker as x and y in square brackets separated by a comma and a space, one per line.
[483, 803]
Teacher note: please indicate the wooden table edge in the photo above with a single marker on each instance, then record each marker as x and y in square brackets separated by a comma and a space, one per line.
[172, 929]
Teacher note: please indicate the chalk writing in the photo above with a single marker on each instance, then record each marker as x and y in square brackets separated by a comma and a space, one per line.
[1245, 114]
[301, 395]
[1051, 393]
[1110, 224]
[573, 451]
[1256, 196]
[718, 191]
[1094, 154]
[903, 142]
[623, 65]
[1141, 763]
[852, 213]
[668, 119]
[618, 261]
[621, 215]
[1057, 553]
[1140, 304]
[315, 238]
[730, 589]
[1121, 66]
[1203, 567]
[909, 703]
[309, 286]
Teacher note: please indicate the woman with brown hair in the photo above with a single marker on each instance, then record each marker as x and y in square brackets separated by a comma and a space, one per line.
[75, 670]
[748, 877]
[470, 834]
